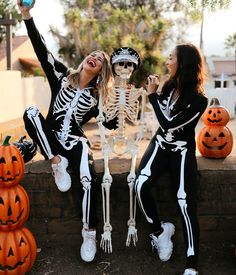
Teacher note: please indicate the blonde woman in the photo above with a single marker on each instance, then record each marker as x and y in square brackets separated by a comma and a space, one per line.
[60, 137]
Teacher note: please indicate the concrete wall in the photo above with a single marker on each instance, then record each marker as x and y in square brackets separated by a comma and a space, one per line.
[18, 93]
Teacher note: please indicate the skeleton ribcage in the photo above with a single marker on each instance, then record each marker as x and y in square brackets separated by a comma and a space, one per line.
[127, 103]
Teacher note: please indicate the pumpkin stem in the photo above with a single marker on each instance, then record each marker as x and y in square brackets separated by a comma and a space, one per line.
[6, 141]
[214, 102]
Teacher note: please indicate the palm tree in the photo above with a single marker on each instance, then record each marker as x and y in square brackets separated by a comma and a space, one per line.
[230, 44]
[200, 6]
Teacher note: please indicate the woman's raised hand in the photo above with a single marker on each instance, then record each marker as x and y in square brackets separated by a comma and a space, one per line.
[153, 82]
[25, 10]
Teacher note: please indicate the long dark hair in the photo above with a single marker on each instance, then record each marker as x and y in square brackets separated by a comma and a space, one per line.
[190, 74]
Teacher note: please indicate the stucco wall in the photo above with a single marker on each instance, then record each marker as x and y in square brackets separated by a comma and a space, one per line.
[18, 93]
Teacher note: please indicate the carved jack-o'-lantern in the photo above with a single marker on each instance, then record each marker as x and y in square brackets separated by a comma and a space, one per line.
[215, 114]
[11, 164]
[17, 251]
[215, 142]
[14, 207]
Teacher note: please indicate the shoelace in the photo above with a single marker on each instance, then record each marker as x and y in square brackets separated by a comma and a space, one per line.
[57, 168]
[154, 245]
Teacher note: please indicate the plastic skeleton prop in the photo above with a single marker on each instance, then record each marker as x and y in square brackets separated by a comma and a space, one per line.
[123, 103]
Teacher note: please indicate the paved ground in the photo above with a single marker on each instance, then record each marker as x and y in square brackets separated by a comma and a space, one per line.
[64, 258]
[61, 256]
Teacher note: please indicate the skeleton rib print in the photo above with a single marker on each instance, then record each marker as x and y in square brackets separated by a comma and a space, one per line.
[71, 104]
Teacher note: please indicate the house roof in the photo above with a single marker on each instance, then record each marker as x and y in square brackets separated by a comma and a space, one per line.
[16, 42]
[219, 65]
[30, 65]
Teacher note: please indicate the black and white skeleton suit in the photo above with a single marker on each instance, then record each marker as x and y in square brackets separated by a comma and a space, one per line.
[172, 149]
[61, 132]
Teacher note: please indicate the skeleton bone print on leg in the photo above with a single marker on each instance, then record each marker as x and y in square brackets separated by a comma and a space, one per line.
[33, 115]
[85, 178]
[179, 147]
[72, 104]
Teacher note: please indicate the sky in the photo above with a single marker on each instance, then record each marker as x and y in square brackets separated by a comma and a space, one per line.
[217, 27]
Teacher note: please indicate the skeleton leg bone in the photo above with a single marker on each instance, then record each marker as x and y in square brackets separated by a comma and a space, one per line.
[106, 243]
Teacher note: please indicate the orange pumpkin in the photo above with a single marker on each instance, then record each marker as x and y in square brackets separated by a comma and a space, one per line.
[215, 115]
[14, 207]
[17, 252]
[215, 142]
[11, 164]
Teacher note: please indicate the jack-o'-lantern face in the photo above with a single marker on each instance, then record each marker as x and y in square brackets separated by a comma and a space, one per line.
[11, 164]
[14, 207]
[215, 115]
[215, 142]
[17, 251]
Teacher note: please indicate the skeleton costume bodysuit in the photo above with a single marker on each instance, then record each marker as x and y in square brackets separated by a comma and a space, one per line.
[61, 132]
[172, 149]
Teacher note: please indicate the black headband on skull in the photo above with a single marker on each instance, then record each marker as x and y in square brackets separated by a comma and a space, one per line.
[125, 54]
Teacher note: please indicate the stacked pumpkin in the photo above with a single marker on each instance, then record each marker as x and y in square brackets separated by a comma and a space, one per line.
[215, 140]
[17, 244]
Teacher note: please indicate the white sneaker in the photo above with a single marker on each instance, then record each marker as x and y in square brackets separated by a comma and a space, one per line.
[190, 271]
[62, 177]
[163, 243]
[88, 248]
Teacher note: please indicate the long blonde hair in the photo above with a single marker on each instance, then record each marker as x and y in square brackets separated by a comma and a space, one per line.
[102, 81]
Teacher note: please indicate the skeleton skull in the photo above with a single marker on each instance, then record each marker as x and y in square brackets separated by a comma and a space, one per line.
[124, 69]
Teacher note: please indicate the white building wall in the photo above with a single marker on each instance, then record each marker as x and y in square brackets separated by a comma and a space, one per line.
[226, 97]
[18, 93]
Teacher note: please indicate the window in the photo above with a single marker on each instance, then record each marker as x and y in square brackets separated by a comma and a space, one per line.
[218, 84]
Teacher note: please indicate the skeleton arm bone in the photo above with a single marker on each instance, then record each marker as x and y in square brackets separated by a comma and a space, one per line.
[105, 243]
[132, 231]
[141, 122]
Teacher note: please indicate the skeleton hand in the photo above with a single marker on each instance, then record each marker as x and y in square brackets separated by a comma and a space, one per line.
[132, 235]
[131, 178]
[105, 243]
[100, 118]
[140, 135]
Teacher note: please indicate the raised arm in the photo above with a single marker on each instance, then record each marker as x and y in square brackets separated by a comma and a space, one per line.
[52, 67]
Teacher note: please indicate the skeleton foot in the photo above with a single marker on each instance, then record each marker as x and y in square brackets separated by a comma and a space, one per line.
[105, 243]
[132, 235]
